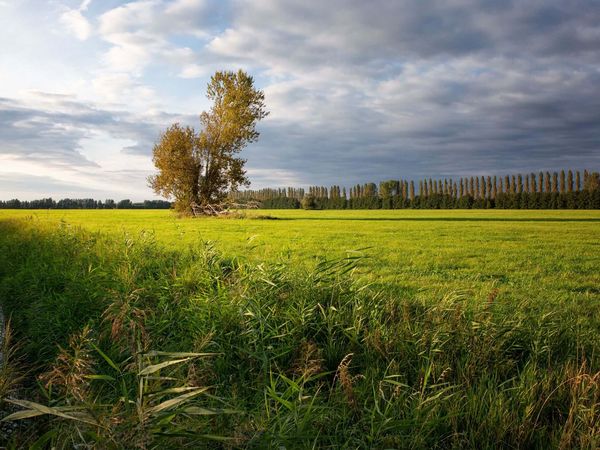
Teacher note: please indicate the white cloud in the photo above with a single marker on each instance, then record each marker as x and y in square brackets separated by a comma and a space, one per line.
[193, 71]
[121, 90]
[140, 33]
[76, 23]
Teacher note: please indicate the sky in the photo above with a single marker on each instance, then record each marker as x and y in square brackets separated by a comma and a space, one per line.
[358, 91]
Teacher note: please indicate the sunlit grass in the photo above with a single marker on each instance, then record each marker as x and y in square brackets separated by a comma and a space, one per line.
[352, 329]
[523, 253]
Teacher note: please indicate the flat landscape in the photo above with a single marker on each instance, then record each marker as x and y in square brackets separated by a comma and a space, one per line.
[299, 225]
[526, 254]
[356, 329]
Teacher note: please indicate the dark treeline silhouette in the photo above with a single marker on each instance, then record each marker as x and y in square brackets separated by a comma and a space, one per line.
[83, 203]
[543, 190]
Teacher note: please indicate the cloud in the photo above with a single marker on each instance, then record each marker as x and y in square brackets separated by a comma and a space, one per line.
[193, 71]
[308, 35]
[141, 32]
[75, 21]
[358, 91]
[52, 128]
[77, 147]
[68, 183]
[413, 88]
[441, 118]
[122, 89]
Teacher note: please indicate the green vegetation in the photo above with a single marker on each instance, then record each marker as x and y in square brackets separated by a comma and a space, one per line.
[324, 329]
[539, 191]
[199, 169]
[534, 191]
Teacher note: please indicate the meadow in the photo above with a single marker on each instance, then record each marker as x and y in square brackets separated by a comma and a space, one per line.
[303, 329]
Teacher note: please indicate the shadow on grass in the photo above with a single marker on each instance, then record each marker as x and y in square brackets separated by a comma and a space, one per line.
[446, 219]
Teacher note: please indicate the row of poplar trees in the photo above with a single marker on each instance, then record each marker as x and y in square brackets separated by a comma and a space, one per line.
[543, 190]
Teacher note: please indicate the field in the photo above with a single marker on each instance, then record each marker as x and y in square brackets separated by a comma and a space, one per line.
[526, 254]
[326, 329]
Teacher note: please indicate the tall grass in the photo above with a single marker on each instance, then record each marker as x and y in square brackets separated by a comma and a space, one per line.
[129, 345]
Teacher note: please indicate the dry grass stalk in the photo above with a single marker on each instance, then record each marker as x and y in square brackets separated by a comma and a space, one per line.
[10, 376]
[309, 361]
[342, 374]
[73, 365]
[582, 427]
[492, 296]
[127, 322]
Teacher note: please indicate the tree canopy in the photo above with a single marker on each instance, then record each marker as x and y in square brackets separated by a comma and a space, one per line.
[199, 169]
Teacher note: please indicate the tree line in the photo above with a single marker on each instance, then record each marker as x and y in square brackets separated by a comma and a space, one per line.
[83, 203]
[543, 190]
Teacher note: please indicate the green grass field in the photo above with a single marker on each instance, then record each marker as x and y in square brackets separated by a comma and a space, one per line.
[525, 254]
[327, 329]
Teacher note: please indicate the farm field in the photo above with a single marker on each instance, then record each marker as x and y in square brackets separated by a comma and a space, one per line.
[322, 329]
[525, 254]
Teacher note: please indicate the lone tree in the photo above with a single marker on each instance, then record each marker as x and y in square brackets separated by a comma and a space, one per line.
[198, 170]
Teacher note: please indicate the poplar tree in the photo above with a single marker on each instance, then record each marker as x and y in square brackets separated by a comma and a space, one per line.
[199, 169]
[570, 181]
[482, 192]
[592, 183]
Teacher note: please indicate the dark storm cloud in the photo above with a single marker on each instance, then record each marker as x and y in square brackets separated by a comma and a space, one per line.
[383, 32]
[375, 90]
[449, 125]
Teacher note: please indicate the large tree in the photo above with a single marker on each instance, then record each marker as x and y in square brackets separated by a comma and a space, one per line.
[198, 170]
